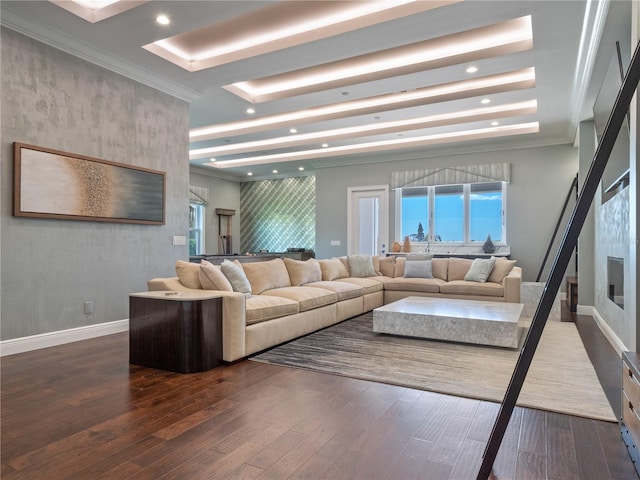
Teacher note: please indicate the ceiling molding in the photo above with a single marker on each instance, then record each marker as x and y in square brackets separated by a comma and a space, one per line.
[62, 41]
[94, 15]
[595, 17]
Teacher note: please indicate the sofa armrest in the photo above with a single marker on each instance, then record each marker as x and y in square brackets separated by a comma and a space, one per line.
[171, 284]
[511, 284]
[233, 315]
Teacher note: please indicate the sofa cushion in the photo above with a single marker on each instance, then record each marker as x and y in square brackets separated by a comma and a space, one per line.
[376, 264]
[370, 285]
[501, 269]
[387, 266]
[343, 290]
[332, 269]
[234, 273]
[188, 273]
[439, 268]
[458, 268]
[427, 285]
[259, 308]
[480, 270]
[361, 266]
[308, 297]
[212, 278]
[266, 275]
[303, 272]
[418, 269]
[462, 287]
[398, 269]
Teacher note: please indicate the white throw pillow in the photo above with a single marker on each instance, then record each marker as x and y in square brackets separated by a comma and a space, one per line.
[480, 270]
[236, 276]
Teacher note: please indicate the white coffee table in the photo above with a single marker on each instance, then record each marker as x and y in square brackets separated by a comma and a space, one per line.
[467, 321]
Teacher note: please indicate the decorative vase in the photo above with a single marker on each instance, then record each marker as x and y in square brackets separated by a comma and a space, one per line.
[407, 245]
[488, 246]
[396, 247]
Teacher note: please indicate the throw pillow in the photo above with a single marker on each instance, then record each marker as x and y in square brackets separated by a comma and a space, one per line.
[188, 274]
[266, 275]
[387, 266]
[212, 278]
[440, 267]
[418, 269]
[303, 272]
[480, 270]
[333, 269]
[234, 273]
[361, 266]
[458, 268]
[501, 269]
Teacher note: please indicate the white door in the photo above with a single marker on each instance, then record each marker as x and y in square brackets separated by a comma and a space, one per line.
[368, 220]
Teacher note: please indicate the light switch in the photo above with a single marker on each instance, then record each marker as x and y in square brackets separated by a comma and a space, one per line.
[179, 240]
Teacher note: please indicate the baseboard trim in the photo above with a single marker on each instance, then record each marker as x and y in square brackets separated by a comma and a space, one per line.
[52, 339]
[606, 330]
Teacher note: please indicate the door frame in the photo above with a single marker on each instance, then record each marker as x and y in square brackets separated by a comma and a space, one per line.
[382, 192]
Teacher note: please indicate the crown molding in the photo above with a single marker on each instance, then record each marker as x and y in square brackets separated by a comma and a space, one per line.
[595, 17]
[62, 41]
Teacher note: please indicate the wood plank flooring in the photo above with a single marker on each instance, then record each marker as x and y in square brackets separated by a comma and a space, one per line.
[80, 411]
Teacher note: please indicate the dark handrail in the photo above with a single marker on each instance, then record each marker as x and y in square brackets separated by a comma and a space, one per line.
[569, 241]
[574, 184]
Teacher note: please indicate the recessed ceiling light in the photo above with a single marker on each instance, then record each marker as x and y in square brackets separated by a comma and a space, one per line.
[484, 101]
[375, 128]
[379, 146]
[274, 171]
[489, 84]
[498, 39]
[293, 130]
[495, 124]
[249, 174]
[472, 69]
[301, 169]
[163, 20]
[251, 111]
[212, 159]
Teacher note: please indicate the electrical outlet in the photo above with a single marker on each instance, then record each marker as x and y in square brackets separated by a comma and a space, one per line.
[335, 243]
[88, 308]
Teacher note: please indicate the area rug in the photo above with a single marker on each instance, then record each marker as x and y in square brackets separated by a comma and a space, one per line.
[561, 378]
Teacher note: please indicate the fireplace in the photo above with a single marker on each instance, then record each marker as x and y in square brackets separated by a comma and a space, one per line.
[615, 280]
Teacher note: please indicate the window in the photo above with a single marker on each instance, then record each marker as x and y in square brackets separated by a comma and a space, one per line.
[465, 213]
[196, 229]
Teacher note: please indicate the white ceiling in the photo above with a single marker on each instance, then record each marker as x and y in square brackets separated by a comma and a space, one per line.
[562, 63]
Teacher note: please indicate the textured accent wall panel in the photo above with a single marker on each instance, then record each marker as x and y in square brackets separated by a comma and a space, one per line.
[278, 214]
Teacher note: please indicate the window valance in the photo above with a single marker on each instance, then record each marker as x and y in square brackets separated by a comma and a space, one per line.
[491, 172]
[198, 195]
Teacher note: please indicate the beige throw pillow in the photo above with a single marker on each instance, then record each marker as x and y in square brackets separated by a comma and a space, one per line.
[501, 269]
[212, 278]
[188, 274]
[458, 268]
[440, 267]
[387, 266]
[266, 275]
[303, 272]
[332, 269]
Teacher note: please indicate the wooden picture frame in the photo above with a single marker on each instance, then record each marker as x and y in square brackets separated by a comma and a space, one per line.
[49, 183]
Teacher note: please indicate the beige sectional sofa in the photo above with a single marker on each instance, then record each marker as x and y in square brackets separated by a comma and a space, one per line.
[284, 299]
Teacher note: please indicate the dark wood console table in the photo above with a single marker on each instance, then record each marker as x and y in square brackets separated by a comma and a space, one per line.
[176, 331]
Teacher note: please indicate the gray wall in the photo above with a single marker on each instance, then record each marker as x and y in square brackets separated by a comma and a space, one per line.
[49, 268]
[586, 241]
[541, 178]
[223, 193]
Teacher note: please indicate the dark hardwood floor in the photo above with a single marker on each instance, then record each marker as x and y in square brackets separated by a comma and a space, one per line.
[80, 411]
